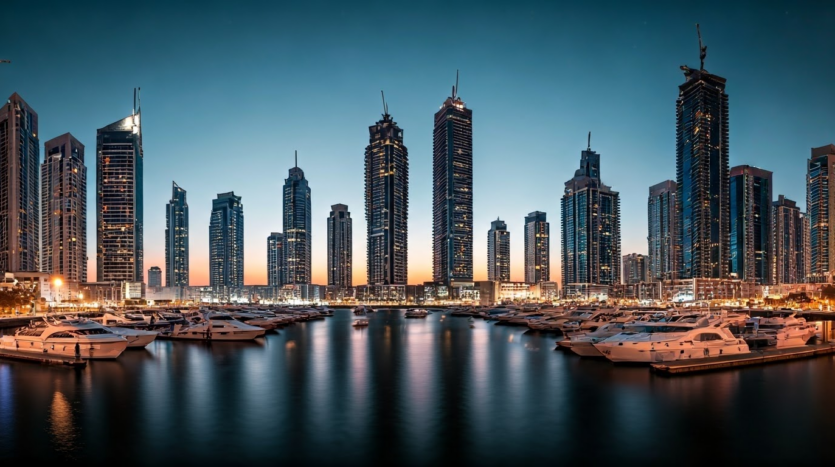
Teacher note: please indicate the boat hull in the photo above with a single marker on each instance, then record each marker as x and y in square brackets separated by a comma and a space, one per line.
[91, 350]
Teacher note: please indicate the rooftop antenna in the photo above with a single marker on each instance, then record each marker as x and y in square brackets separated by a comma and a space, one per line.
[134, 101]
[385, 106]
[297, 158]
[455, 89]
[139, 99]
[589, 148]
[702, 49]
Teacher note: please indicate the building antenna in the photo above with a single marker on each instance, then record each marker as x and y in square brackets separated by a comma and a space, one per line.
[702, 49]
[455, 89]
[139, 99]
[297, 158]
[134, 101]
[385, 106]
[589, 148]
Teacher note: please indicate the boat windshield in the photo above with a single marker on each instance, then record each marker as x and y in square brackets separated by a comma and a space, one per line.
[657, 329]
[90, 332]
[226, 317]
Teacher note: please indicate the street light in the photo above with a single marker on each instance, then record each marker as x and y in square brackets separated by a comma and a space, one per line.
[58, 283]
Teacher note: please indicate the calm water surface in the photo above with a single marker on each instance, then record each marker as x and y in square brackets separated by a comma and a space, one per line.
[411, 392]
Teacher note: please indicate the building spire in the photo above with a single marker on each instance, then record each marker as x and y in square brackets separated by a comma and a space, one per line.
[385, 106]
[297, 158]
[134, 102]
[702, 49]
[455, 92]
[589, 146]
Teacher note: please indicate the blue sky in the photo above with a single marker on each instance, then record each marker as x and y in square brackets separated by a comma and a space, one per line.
[230, 90]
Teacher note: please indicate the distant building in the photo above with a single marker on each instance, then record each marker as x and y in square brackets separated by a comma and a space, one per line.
[788, 229]
[275, 260]
[64, 209]
[19, 158]
[820, 185]
[498, 252]
[226, 242]
[750, 239]
[119, 200]
[154, 276]
[537, 248]
[176, 238]
[452, 192]
[339, 247]
[661, 238]
[804, 253]
[297, 227]
[634, 268]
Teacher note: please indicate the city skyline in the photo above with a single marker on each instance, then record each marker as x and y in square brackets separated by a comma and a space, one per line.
[638, 164]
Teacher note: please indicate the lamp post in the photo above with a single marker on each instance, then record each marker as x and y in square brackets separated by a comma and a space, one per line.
[58, 283]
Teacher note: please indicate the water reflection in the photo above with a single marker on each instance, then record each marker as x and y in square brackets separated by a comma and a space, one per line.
[62, 427]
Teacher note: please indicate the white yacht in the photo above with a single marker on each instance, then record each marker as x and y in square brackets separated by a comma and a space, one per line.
[137, 338]
[60, 336]
[217, 327]
[783, 330]
[257, 319]
[582, 343]
[416, 313]
[658, 342]
[361, 322]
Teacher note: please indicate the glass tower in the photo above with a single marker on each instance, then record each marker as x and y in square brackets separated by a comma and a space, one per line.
[498, 252]
[750, 216]
[387, 203]
[154, 276]
[19, 159]
[297, 227]
[275, 259]
[537, 248]
[339, 247]
[119, 199]
[788, 229]
[452, 200]
[176, 238]
[634, 268]
[64, 209]
[226, 242]
[661, 238]
[820, 187]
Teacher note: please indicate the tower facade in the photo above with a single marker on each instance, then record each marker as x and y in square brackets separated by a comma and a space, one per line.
[750, 222]
[226, 241]
[661, 229]
[634, 268]
[537, 248]
[789, 232]
[275, 260]
[820, 185]
[297, 227]
[498, 252]
[340, 254]
[176, 238]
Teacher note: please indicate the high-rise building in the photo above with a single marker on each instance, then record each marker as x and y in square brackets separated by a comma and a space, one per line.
[119, 199]
[297, 227]
[154, 276]
[340, 255]
[537, 248]
[386, 203]
[804, 251]
[820, 185]
[452, 199]
[590, 226]
[750, 216]
[176, 238]
[498, 252]
[635, 268]
[661, 238]
[64, 209]
[702, 204]
[226, 241]
[275, 259]
[19, 159]
[789, 234]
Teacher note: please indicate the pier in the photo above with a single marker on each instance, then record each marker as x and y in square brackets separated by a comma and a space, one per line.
[756, 357]
[45, 359]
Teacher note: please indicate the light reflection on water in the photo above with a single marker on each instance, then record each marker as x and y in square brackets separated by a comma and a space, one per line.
[405, 391]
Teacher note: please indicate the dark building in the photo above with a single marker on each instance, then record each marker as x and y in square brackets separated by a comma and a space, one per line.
[498, 252]
[750, 238]
[19, 213]
[703, 208]
[387, 203]
[634, 268]
[226, 242]
[64, 209]
[275, 259]
[452, 200]
[820, 185]
[339, 247]
[297, 227]
[154, 276]
[789, 233]
[119, 255]
[176, 238]
[537, 248]
[661, 238]
[590, 227]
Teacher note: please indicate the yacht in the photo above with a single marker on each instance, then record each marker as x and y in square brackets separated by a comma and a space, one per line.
[360, 310]
[658, 342]
[783, 330]
[56, 336]
[257, 319]
[216, 327]
[582, 343]
[137, 338]
[361, 322]
[416, 313]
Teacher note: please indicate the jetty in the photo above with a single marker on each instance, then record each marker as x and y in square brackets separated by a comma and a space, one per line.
[756, 357]
[44, 359]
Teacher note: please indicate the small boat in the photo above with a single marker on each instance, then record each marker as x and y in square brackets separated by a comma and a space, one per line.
[362, 322]
[416, 313]
[360, 310]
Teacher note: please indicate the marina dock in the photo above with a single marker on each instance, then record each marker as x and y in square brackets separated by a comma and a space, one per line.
[45, 359]
[756, 357]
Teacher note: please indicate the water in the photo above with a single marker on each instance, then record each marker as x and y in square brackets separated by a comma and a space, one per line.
[407, 391]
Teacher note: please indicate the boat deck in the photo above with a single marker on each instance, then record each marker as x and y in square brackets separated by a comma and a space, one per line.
[46, 359]
[756, 357]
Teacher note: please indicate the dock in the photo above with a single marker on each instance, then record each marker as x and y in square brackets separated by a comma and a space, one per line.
[44, 359]
[756, 357]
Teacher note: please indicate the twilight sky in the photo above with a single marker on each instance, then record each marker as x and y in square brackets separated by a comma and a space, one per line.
[230, 89]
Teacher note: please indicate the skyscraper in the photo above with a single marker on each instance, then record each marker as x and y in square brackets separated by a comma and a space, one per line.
[590, 226]
[297, 227]
[340, 255]
[119, 199]
[804, 250]
[64, 209]
[661, 238]
[537, 248]
[176, 238]
[19, 159]
[154, 276]
[634, 268]
[702, 208]
[788, 229]
[275, 259]
[386, 203]
[498, 252]
[452, 205]
[820, 185]
[750, 216]
[226, 241]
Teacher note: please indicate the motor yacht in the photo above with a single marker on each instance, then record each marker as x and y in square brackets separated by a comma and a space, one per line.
[215, 327]
[137, 338]
[361, 322]
[416, 313]
[582, 343]
[782, 330]
[256, 319]
[56, 336]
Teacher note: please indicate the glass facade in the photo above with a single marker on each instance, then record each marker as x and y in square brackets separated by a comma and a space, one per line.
[452, 199]
[537, 248]
[119, 199]
[661, 228]
[750, 223]
[154, 276]
[64, 209]
[635, 268]
[176, 238]
[226, 242]
[339, 247]
[788, 232]
[498, 252]
[296, 228]
[821, 212]
[275, 260]
[387, 204]
[702, 208]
